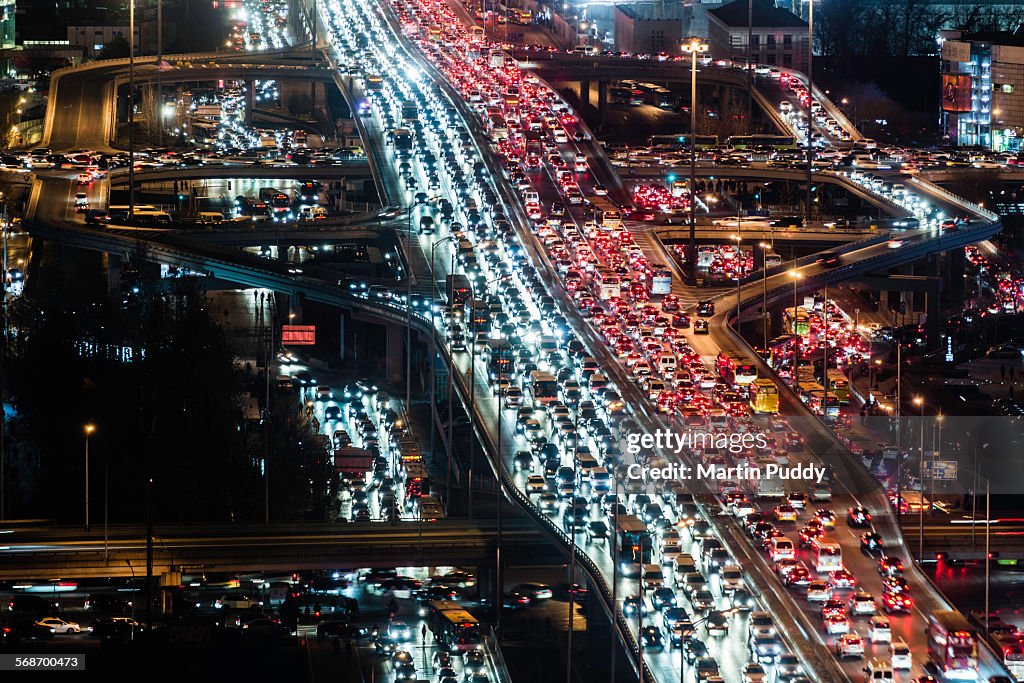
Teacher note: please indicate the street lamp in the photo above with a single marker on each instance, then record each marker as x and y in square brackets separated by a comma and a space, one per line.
[89, 429]
[919, 402]
[795, 274]
[433, 356]
[739, 276]
[764, 289]
[810, 94]
[694, 46]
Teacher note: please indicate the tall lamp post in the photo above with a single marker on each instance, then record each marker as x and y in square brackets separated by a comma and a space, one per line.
[433, 353]
[764, 289]
[694, 46]
[89, 429]
[131, 110]
[795, 274]
[739, 277]
[810, 94]
[919, 402]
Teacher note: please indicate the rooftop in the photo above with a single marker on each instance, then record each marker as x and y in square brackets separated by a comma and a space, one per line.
[765, 14]
[653, 11]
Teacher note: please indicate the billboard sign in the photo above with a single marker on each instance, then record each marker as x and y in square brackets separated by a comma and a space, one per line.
[956, 92]
[298, 335]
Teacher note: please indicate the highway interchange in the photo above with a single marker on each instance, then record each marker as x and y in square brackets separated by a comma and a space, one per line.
[803, 633]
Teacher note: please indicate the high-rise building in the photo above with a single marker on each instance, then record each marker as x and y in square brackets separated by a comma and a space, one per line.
[983, 88]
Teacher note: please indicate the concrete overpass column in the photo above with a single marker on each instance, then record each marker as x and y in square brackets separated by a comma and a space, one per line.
[250, 100]
[602, 103]
[395, 360]
[341, 336]
[956, 271]
[295, 302]
[113, 273]
[585, 92]
[599, 634]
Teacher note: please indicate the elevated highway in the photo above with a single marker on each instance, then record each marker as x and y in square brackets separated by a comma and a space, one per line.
[355, 168]
[50, 553]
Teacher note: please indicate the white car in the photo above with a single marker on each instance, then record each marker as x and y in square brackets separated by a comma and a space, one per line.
[899, 653]
[535, 484]
[754, 673]
[818, 591]
[837, 624]
[863, 603]
[59, 625]
[879, 629]
[731, 577]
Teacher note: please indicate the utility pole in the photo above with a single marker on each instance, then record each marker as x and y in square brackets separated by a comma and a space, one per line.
[810, 109]
[131, 110]
[3, 375]
[750, 68]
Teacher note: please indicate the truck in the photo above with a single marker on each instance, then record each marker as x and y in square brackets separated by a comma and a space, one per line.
[952, 645]
[353, 461]
[458, 288]
[410, 111]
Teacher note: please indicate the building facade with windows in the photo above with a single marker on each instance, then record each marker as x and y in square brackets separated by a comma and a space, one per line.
[649, 28]
[982, 101]
[778, 38]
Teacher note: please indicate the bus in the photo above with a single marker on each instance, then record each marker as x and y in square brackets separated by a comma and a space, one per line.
[680, 141]
[633, 543]
[952, 645]
[736, 369]
[828, 557]
[456, 630]
[620, 95]
[254, 208]
[459, 290]
[611, 219]
[374, 83]
[608, 284]
[543, 388]
[822, 403]
[278, 201]
[476, 34]
[838, 384]
[772, 259]
[658, 279]
[798, 323]
[805, 389]
[501, 360]
[774, 141]
[656, 95]
[764, 396]
[497, 127]
[434, 32]
[417, 481]
[478, 316]
[1010, 650]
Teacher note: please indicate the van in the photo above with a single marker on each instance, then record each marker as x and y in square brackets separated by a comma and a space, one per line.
[878, 670]
[667, 362]
[879, 629]
[531, 197]
[899, 654]
[781, 548]
[652, 577]
[206, 217]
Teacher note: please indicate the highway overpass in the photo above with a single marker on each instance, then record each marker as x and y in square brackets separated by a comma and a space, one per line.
[355, 168]
[50, 553]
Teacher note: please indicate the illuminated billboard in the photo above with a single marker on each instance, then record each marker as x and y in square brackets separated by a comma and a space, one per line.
[956, 92]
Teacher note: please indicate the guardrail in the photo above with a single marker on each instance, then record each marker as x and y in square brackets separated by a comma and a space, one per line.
[956, 199]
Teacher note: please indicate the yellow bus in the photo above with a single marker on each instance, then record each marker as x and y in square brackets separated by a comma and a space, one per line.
[476, 34]
[764, 396]
[839, 385]
[806, 388]
[611, 219]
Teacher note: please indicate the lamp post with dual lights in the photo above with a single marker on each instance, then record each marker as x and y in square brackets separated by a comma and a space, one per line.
[739, 276]
[764, 289]
[693, 46]
[88, 429]
[796, 355]
[919, 402]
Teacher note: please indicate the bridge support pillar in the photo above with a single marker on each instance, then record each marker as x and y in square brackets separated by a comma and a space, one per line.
[295, 302]
[341, 336]
[250, 100]
[113, 273]
[602, 103]
[395, 359]
[585, 92]
[955, 272]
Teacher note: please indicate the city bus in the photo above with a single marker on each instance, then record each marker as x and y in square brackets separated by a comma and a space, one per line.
[805, 389]
[459, 289]
[453, 627]
[501, 360]
[828, 557]
[771, 259]
[417, 481]
[798, 323]
[623, 95]
[658, 279]
[278, 201]
[611, 219]
[543, 388]
[374, 83]
[633, 542]
[680, 142]
[775, 141]
[839, 385]
[822, 403]
[952, 645]
[608, 284]
[764, 396]
[476, 34]
[736, 369]
[1010, 650]
[478, 316]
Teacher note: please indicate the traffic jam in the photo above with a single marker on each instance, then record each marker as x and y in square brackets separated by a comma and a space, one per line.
[568, 417]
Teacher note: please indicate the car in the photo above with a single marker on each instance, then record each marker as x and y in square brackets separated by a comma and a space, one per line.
[651, 636]
[787, 667]
[765, 648]
[81, 202]
[842, 579]
[760, 623]
[871, 544]
[399, 631]
[849, 645]
[890, 566]
[862, 603]
[826, 518]
[523, 460]
[84, 178]
[596, 529]
[664, 597]
[900, 655]
[829, 259]
[535, 483]
[832, 606]
[705, 308]
[879, 629]
[536, 591]
[59, 625]
[742, 600]
[701, 327]
[896, 603]
[754, 673]
[785, 513]
[263, 627]
[384, 646]
[818, 591]
[632, 604]
[858, 518]
[837, 624]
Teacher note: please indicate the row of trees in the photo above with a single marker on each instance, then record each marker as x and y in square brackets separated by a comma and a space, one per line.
[901, 28]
